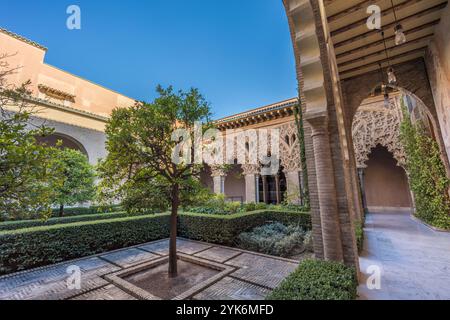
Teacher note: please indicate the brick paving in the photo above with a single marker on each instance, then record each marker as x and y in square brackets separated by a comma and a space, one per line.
[252, 278]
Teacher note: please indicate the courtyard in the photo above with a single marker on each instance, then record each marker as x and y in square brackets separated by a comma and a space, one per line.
[330, 182]
[411, 256]
[252, 276]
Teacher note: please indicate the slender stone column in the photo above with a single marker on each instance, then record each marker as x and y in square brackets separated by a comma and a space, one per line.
[251, 173]
[219, 185]
[265, 189]
[277, 188]
[257, 177]
[250, 188]
[293, 186]
[326, 186]
[218, 175]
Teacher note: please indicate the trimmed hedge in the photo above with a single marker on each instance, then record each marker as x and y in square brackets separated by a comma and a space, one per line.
[78, 211]
[318, 280]
[43, 245]
[39, 246]
[225, 229]
[24, 224]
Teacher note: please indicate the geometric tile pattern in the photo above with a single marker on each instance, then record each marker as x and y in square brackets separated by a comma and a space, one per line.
[252, 275]
[261, 270]
[109, 292]
[130, 257]
[233, 289]
[218, 254]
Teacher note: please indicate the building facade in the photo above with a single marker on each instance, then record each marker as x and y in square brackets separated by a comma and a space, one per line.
[76, 108]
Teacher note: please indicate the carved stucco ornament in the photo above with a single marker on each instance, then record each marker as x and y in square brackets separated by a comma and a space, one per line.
[375, 124]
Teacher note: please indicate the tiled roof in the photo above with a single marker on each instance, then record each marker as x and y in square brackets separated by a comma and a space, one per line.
[258, 111]
[19, 37]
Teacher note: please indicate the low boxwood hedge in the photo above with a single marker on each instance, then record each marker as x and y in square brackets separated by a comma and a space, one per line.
[43, 245]
[318, 280]
[39, 246]
[225, 229]
[78, 211]
[14, 225]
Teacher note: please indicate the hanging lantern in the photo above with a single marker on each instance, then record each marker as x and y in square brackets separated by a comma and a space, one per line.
[392, 79]
[400, 37]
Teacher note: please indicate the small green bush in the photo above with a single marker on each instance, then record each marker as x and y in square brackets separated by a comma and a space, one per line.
[274, 239]
[359, 233]
[217, 204]
[318, 280]
[225, 229]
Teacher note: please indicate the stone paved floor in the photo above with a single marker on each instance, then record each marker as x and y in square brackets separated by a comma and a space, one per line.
[414, 260]
[254, 275]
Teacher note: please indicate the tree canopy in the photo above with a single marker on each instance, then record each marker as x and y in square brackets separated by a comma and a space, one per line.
[26, 174]
[77, 180]
[140, 170]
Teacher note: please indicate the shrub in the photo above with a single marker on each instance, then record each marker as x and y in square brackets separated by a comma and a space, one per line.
[359, 233]
[217, 204]
[39, 246]
[225, 229]
[274, 239]
[14, 225]
[42, 245]
[318, 280]
[78, 211]
[427, 176]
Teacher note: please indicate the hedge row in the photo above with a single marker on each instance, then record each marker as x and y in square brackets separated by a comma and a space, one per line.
[39, 246]
[318, 280]
[77, 211]
[224, 229]
[24, 224]
[43, 245]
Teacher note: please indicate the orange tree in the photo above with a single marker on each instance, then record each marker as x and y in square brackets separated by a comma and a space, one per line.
[139, 170]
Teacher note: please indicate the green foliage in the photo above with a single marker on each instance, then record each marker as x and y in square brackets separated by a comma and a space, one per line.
[428, 179]
[318, 280]
[359, 234]
[77, 185]
[78, 211]
[42, 245]
[298, 114]
[39, 246]
[216, 204]
[274, 239]
[15, 225]
[225, 229]
[26, 174]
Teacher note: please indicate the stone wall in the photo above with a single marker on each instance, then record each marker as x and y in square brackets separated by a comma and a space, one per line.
[92, 141]
[438, 66]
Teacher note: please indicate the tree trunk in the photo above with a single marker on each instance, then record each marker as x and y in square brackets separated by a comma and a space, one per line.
[61, 210]
[173, 263]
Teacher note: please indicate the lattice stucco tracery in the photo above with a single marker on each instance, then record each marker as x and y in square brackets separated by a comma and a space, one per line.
[375, 125]
[289, 147]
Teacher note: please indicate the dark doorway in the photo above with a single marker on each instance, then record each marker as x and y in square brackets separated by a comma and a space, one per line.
[386, 184]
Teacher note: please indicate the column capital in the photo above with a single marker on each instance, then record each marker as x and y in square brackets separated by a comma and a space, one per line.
[218, 171]
[248, 169]
[318, 122]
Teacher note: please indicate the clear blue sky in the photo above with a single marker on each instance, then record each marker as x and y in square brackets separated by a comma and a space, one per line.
[237, 52]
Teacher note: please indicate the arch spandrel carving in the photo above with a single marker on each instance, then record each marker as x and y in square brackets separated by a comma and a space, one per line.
[374, 124]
